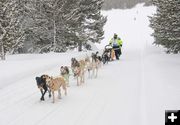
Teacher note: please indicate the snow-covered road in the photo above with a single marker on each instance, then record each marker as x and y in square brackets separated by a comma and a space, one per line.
[112, 98]
[136, 90]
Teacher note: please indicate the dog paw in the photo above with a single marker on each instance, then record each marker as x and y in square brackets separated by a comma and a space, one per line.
[42, 99]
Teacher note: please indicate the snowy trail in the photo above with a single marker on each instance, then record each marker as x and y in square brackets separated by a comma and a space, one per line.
[113, 98]
[109, 99]
[126, 92]
[136, 90]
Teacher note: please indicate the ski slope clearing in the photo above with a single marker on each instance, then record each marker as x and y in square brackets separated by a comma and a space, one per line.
[136, 90]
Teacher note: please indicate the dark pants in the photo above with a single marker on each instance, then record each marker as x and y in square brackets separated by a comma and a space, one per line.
[117, 51]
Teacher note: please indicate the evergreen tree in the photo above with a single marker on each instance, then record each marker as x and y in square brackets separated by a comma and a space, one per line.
[166, 24]
[123, 4]
[52, 26]
[60, 24]
[93, 21]
[49, 25]
[11, 32]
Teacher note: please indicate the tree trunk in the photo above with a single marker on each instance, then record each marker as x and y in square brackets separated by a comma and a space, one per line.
[80, 46]
[54, 38]
[2, 53]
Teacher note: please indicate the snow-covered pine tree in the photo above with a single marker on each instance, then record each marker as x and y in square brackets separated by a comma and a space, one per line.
[57, 25]
[11, 32]
[50, 24]
[166, 24]
[72, 18]
[93, 21]
[42, 28]
[123, 4]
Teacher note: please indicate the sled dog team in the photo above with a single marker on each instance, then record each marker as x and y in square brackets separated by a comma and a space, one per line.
[79, 67]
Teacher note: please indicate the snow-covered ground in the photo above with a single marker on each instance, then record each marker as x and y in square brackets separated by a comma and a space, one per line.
[136, 90]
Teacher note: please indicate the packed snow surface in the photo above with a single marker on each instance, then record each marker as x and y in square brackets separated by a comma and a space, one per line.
[136, 90]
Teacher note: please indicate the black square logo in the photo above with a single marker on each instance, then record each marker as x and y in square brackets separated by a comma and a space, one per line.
[172, 117]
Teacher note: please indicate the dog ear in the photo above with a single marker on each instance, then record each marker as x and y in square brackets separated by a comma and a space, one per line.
[42, 76]
[37, 78]
[45, 77]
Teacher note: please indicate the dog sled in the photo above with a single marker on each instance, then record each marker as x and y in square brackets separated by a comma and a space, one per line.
[108, 54]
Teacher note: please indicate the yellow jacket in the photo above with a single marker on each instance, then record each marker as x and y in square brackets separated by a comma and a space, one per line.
[115, 42]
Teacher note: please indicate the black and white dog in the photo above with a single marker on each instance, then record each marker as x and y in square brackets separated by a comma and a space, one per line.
[42, 85]
[105, 57]
[98, 56]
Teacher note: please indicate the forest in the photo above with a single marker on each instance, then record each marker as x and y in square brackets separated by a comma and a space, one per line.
[123, 4]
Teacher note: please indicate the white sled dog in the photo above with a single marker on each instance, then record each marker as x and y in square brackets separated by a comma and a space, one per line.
[64, 70]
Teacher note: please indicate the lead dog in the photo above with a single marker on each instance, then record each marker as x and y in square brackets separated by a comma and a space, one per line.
[42, 85]
[55, 84]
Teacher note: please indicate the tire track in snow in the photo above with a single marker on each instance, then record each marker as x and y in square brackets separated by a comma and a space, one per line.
[63, 106]
[81, 111]
[20, 87]
[89, 114]
[24, 96]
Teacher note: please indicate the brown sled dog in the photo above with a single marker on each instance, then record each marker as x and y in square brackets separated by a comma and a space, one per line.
[55, 84]
[112, 54]
[78, 68]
